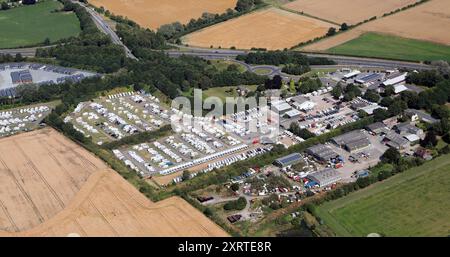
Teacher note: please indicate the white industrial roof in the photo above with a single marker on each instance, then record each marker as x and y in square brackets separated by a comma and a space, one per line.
[395, 80]
[399, 88]
[412, 137]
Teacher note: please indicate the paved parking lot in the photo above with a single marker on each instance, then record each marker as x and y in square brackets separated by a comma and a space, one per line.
[366, 158]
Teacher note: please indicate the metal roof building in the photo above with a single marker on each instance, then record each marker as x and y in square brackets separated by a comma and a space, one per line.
[289, 160]
[322, 152]
[325, 177]
[352, 141]
[396, 141]
[377, 128]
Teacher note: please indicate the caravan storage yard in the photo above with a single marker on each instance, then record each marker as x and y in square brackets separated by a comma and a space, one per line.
[116, 116]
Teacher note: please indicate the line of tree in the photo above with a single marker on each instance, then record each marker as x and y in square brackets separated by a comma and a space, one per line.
[274, 58]
[175, 30]
[91, 50]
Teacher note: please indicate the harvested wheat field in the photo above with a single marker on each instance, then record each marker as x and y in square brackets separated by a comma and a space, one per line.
[428, 21]
[271, 29]
[49, 186]
[349, 11]
[154, 13]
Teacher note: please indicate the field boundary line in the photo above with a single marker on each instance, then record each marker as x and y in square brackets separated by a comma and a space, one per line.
[307, 15]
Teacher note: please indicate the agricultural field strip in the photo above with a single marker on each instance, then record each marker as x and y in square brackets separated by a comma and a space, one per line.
[349, 11]
[154, 13]
[325, 210]
[270, 28]
[424, 22]
[35, 185]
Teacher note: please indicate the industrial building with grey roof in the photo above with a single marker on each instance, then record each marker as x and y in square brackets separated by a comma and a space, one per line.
[322, 152]
[352, 141]
[325, 177]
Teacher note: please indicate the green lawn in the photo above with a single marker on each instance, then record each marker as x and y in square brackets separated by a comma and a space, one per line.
[223, 92]
[30, 25]
[391, 47]
[413, 203]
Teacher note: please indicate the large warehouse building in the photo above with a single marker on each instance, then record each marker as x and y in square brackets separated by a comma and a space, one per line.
[325, 177]
[352, 141]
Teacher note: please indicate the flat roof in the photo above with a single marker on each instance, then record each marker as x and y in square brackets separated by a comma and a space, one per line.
[289, 159]
[326, 176]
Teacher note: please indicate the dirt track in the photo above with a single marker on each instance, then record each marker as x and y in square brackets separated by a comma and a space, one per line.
[428, 21]
[349, 11]
[270, 28]
[50, 186]
[154, 13]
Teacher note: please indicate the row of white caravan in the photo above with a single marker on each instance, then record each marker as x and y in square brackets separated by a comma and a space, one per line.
[32, 110]
[320, 91]
[181, 147]
[203, 160]
[232, 159]
[119, 95]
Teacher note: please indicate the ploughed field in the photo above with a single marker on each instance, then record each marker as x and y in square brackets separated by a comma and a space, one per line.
[53, 187]
[154, 13]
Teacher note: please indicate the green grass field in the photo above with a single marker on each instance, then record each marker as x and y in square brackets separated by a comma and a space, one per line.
[391, 47]
[223, 92]
[413, 203]
[31, 25]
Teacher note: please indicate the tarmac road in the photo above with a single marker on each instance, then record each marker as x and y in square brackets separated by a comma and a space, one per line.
[340, 60]
[104, 27]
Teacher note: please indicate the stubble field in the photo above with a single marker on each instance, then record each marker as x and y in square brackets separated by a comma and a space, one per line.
[270, 28]
[154, 13]
[428, 22]
[349, 11]
[52, 187]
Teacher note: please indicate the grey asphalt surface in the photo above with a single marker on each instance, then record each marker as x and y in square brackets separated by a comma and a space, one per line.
[105, 28]
[340, 60]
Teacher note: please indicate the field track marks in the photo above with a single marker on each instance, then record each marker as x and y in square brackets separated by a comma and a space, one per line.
[8, 215]
[36, 170]
[103, 217]
[84, 159]
[23, 191]
[74, 182]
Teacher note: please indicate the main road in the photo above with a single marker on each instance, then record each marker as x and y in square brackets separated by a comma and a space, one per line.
[226, 54]
[105, 28]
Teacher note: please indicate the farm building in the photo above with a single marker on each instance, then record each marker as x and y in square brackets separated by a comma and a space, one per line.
[322, 152]
[288, 160]
[377, 128]
[396, 141]
[352, 141]
[325, 177]
[420, 115]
